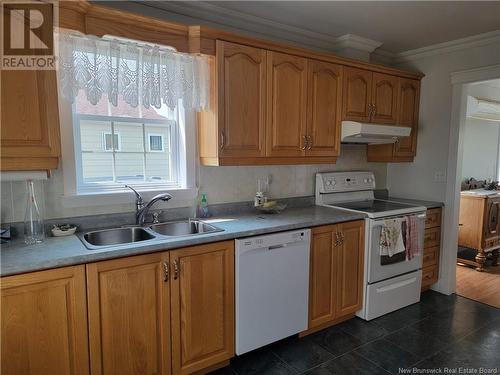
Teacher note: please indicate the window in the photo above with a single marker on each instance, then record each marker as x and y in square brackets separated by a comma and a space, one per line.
[111, 141]
[156, 142]
[122, 145]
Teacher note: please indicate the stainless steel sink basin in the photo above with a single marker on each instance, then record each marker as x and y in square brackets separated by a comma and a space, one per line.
[184, 228]
[117, 236]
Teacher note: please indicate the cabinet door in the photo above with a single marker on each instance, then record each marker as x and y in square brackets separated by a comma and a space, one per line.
[323, 108]
[385, 90]
[129, 316]
[409, 97]
[44, 323]
[242, 99]
[202, 293]
[357, 94]
[286, 97]
[30, 120]
[350, 268]
[323, 276]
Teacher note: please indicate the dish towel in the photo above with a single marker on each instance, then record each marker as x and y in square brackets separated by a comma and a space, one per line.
[411, 237]
[391, 237]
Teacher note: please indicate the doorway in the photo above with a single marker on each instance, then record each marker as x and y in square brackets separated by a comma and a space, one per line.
[468, 266]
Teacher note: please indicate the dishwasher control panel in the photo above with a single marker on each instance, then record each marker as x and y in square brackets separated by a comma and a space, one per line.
[281, 239]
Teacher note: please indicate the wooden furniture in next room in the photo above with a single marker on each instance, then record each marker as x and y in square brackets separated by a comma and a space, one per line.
[479, 226]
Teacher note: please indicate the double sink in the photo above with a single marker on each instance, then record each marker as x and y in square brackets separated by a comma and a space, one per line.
[119, 236]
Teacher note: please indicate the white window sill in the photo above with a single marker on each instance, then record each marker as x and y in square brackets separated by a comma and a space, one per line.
[124, 197]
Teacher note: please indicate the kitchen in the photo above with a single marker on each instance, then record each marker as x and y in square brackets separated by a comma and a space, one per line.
[296, 135]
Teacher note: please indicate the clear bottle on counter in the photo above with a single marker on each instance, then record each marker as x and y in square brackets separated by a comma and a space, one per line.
[33, 223]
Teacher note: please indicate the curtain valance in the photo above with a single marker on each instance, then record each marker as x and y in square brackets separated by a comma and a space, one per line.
[135, 72]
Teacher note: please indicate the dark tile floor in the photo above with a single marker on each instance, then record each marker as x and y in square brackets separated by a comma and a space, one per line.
[440, 331]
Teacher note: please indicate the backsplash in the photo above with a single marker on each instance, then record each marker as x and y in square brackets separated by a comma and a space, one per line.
[221, 184]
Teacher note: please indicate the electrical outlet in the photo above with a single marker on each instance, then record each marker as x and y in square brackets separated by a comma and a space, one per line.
[439, 176]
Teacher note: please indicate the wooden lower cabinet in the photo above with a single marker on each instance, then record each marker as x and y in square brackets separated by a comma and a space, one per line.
[432, 245]
[336, 273]
[129, 315]
[202, 315]
[44, 323]
[162, 313]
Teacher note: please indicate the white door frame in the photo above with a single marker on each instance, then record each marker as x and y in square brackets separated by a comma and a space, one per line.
[461, 81]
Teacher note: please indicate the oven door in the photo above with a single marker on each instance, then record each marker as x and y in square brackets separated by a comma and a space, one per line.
[379, 268]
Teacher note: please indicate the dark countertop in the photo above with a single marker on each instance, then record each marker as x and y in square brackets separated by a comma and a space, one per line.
[17, 257]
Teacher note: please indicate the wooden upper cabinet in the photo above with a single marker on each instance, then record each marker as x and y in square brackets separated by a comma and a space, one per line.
[405, 149]
[323, 276]
[30, 120]
[242, 99]
[409, 95]
[44, 323]
[202, 294]
[286, 98]
[350, 272]
[384, 100]
[129, 316]
[357, 94]
[324, 108]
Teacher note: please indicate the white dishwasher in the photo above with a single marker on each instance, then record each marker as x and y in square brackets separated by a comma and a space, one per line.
[272, 287]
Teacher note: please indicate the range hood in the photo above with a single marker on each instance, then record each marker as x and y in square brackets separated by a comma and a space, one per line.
[361, 132]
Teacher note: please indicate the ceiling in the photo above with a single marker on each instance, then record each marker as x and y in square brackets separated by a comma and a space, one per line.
[399, 25]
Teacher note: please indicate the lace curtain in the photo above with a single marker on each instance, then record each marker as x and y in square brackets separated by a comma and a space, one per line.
[134, 72]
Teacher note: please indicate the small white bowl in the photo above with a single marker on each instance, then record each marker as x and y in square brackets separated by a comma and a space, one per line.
[58, 232]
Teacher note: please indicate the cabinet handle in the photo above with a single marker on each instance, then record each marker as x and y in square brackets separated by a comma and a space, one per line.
[165, 271]
[222, 140]
[337, 239]
[304, 139]
[342, 238]
[176, 269]
[310, 142]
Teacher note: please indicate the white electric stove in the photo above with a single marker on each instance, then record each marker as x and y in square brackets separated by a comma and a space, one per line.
[388, 284]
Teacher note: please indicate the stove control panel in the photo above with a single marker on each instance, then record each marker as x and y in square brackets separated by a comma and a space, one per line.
[336, 182]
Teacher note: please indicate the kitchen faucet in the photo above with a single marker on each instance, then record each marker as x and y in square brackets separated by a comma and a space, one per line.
[141, 208]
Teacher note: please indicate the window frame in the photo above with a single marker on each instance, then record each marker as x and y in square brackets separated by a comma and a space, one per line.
[162, 142]
[119, 141]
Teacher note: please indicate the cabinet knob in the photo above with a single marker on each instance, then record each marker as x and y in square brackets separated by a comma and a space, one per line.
[304, 139]
[176, 269]
[222, 140]
[309, 142]
[165, 271]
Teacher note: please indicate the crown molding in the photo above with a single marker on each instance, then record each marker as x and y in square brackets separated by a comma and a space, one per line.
[448, 47]
[238, 21]
[243, 22]
[356, 42]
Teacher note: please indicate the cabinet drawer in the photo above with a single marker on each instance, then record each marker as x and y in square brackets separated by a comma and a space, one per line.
[431, 256]
[432, 237]
[433, 218]
[429, 275]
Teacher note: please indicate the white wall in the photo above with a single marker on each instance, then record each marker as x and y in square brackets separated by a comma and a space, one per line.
[425, 177]
[480, 151]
